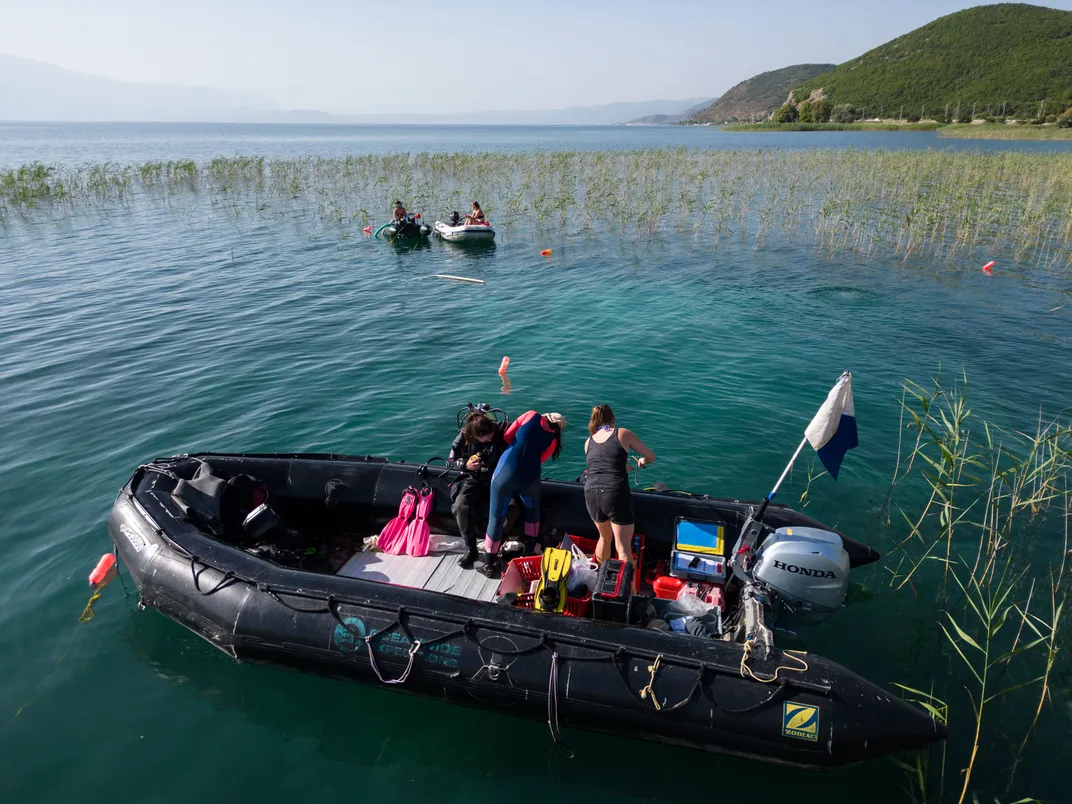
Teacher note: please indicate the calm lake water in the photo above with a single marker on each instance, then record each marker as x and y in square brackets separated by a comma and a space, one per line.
[129, 333]
[21, 143]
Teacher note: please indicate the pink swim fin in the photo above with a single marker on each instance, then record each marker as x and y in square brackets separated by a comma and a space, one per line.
[393, 536]
[418, 531]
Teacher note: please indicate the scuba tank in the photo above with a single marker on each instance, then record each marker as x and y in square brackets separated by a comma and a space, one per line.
[497, 415]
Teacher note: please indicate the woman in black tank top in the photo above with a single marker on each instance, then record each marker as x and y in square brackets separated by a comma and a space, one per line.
[606, 482]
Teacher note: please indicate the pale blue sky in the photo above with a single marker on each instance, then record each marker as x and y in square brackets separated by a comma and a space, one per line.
[341, 56]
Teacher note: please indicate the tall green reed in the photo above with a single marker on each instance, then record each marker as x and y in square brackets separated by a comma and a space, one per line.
[985, 515]
[942, 208]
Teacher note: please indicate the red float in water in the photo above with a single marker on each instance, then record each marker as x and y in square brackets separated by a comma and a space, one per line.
[503, 366]
[100, 572]
[545, 253]
[987, 267]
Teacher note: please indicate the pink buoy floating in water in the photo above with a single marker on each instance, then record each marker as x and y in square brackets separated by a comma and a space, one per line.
[987, 269]
[545, 253]
[104, 566]
[367, 230]
[503, 366]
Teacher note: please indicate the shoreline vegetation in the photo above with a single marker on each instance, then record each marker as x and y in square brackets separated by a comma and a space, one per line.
[992, 131]
[940, 209]
[862, 126]
[1003, 131]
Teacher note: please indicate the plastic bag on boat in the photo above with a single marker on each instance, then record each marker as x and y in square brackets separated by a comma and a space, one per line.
[689, 605]
[581, 579]
[445, 543]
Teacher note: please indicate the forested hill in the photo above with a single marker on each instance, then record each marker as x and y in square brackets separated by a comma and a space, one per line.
[759, 95]
[982, 57]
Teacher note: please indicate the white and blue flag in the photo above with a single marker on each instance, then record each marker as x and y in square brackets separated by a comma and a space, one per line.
[832, 432]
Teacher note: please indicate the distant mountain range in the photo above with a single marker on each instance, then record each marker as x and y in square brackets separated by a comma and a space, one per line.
[33, 90]
[668, 119]
[760, 95]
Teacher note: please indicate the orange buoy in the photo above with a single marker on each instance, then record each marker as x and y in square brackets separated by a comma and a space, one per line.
[545, 253]
[502, 366]
[987, 267]
[104, 566]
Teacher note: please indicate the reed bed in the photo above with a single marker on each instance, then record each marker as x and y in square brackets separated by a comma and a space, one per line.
[984, 517]
[1003, 131]
[934, 206]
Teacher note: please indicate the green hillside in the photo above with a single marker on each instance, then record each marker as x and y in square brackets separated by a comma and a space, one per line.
[982, 57]
[759, 95]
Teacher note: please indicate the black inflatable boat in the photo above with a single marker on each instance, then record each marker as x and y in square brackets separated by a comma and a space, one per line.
[288, 578]
[409, 228]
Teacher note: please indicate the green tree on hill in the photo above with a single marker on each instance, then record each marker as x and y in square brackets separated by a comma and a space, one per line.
[804, 112]
[821, 110]
[844, 113]
[787, 113]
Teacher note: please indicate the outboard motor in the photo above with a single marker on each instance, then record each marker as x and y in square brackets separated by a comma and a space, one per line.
[807, 569]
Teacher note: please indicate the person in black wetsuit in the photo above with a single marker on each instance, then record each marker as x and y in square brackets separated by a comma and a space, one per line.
[606, 482]
[476, 450]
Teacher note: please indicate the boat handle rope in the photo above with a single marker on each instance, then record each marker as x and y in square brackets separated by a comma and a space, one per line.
[649, 689]
[795, 655]
[228, 579]
[400, 625]
[552, 708]
[325, 609]
[775, 692]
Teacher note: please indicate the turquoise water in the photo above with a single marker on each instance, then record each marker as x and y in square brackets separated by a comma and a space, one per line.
[134, 332]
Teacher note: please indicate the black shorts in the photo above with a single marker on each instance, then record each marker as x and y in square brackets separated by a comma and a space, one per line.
[610, 502]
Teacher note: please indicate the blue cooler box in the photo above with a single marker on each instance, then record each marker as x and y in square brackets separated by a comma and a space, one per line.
[699, 551]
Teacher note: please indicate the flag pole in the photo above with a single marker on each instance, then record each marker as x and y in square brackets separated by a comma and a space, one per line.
[766, 500]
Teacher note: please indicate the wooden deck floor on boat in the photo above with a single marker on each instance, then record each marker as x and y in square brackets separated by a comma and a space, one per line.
[437, 572]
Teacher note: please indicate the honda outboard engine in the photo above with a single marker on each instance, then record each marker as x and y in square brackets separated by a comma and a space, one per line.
[807, 569]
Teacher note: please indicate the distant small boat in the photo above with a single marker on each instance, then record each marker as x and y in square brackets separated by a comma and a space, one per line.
[474, 233]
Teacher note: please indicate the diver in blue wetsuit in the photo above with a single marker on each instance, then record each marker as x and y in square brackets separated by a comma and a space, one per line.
[533, 438]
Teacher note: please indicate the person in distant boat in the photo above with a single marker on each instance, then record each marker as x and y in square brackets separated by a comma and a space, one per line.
[475, 216]
[606, 482]
[476, 450]
[400, 212]
[533, 438]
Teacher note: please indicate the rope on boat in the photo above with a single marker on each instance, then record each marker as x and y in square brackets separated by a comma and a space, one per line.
[228, 579]
[552, 707]
[795, 655]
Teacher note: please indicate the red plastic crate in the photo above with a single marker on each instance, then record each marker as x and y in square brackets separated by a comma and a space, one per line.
[530, 571]
[588, 547]
[575, 606]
